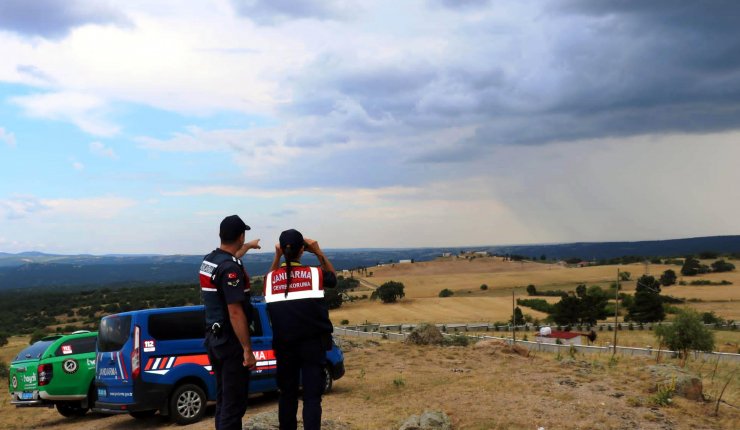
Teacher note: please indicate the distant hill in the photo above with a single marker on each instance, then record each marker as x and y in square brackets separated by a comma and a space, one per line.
[35, 269]
[607, 250]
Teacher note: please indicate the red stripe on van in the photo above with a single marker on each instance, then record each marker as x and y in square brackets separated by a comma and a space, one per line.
[192, 359]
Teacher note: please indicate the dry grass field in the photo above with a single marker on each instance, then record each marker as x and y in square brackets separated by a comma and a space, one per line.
[423, 282]
[479, 388]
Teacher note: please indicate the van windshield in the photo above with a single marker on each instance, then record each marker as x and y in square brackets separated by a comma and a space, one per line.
[114, 332]
[34, 351]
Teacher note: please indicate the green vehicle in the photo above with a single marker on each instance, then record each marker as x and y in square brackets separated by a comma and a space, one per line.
[56, 371]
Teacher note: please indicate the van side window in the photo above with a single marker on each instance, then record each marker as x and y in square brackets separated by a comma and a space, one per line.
[77, 346]
[178, 325]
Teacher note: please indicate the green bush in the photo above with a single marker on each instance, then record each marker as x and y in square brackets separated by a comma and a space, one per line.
[537, 304]
[446, 293]
[389, 292]
[711, 318]
[456, 340]
[687, 333]
[484, 287]
[344, 322]
[722, 266]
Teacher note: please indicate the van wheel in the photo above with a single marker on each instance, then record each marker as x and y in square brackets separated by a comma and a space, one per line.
[187, 404]
[70, 410]
[141, 415]
[328, 381]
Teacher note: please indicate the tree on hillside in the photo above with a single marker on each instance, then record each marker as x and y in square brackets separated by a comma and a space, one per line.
[531, 290]
[722, 266]
[625, 276]
[567, 310]
[518, 317]
[593, 305]
[693, 267]
[687, 333]
[333, 298]
[647, 305]
[668, 278]
[389, 292]
[581, 290]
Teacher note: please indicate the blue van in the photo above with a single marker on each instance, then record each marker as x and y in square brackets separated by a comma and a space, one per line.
[154, 360]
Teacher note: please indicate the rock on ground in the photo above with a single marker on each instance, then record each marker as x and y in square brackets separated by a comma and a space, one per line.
[429, 420]
[269, 421]
[687, 384]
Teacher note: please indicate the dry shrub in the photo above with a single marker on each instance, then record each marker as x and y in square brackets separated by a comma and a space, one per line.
[498, 346]
[425, 334]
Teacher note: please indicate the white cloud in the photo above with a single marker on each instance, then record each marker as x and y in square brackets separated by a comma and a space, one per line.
[21, 207]
[101, 150]
[7, 137]
[83, 110]
[256, 150]
[91, 208]
[78, 166]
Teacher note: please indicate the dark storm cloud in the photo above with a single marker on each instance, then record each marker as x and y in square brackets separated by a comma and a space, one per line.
[273, 11]
[606, 69]
[54, 19]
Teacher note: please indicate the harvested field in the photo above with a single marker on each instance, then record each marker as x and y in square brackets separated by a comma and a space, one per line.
[423, 282]
[414, 310]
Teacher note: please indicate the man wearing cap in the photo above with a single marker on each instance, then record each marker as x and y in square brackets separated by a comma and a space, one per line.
[224, 287]
[301, 327]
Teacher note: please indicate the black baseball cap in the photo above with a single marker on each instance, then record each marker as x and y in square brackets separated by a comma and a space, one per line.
[231, 228]
[292, 238]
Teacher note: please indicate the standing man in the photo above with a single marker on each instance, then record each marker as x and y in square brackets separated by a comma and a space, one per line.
[224, 287]
[301, 327]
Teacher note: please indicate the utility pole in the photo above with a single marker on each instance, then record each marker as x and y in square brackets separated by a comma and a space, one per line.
[616, 312]
[513, 319]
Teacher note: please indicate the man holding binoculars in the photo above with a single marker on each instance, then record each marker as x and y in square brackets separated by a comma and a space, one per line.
[301, 327]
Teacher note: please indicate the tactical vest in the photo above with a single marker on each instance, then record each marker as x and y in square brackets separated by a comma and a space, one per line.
[305, 283]
[213, 299]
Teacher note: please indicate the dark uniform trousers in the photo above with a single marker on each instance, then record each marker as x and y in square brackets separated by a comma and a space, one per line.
[232, 381]
[300, 359]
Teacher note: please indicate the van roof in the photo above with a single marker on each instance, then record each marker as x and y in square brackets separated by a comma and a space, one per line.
[254, 300]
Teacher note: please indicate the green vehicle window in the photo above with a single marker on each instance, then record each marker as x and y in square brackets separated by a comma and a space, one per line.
[76, 346]
[34, 351]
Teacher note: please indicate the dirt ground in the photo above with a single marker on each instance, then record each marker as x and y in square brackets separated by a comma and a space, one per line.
[479, 388]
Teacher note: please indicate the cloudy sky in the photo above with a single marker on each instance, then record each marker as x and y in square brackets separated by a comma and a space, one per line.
[135, 126]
